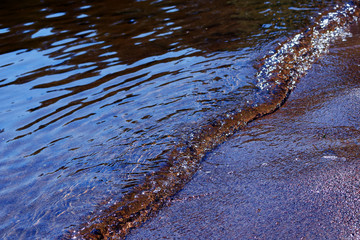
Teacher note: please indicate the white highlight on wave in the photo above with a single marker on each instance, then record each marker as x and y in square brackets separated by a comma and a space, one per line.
[292, 60]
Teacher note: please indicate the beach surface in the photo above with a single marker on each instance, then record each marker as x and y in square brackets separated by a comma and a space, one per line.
[294, 174]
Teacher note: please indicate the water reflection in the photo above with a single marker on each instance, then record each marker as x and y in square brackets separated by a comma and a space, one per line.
[94, 94]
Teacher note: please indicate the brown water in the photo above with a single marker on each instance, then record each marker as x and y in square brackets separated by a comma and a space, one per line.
[94, 96]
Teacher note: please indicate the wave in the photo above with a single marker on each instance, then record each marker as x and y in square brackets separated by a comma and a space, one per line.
[277, 76]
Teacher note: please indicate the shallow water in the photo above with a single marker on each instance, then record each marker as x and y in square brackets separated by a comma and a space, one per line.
[293, 174]
[95, 95]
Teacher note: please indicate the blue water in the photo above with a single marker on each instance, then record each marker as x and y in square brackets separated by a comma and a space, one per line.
[95, 94]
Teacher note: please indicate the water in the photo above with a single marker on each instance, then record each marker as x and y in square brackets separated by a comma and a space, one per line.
[293, 174]
[96, 96]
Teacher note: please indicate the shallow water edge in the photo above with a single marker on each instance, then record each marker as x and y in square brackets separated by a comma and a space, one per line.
[293, 174]
[277, 76]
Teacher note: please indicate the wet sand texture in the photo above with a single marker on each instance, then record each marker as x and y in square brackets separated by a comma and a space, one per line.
[277, 76]
[294, 174]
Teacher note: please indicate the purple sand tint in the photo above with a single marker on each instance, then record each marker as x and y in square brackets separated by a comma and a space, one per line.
[277, 76]
[80, 127]
[294, 174]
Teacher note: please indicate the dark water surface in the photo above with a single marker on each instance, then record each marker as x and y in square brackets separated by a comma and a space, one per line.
[94, 95]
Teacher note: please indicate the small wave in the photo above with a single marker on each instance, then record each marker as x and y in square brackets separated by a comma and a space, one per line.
[277, 76]
[294, 57]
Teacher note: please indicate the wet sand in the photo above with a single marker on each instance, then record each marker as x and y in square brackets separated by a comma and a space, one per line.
[294, 174]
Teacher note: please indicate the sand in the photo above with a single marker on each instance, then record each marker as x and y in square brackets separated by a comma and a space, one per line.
[294, 174]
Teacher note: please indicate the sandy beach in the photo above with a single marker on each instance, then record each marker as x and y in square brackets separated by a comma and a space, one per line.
[172, 119]
[294, 174]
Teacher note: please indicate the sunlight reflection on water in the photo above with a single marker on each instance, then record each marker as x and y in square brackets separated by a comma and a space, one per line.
[93, 95]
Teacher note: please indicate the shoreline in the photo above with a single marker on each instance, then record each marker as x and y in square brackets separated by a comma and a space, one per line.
[293, 174]
[281, 71]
